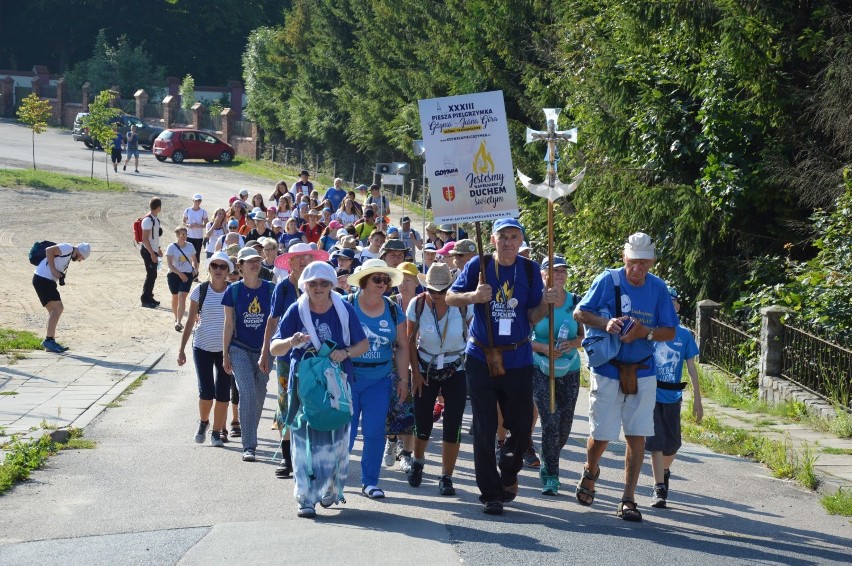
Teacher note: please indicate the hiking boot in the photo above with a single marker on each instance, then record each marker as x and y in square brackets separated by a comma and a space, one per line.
[445, 486]
[493, 508]
[236, 431]
[149, 304]
[405, 461]
[660, 495]
[248, 455]
[531, 458]
[415, 473]
[284, 469]
[202, 431]
[390, 453]
[216, 439]
[51, 346]
[551, 485]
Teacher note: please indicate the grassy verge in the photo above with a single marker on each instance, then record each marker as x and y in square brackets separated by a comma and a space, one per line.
[11, 178]
[14, 344]
[838, 503]
[127, 392]
[276, 172]
[24, 457]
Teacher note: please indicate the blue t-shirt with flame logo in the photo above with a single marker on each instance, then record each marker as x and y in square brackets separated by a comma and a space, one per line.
[250, 311]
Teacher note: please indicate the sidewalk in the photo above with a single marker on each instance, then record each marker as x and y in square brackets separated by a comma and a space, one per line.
[65, 390]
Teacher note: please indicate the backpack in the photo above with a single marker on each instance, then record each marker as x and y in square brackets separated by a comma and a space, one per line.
[418, 312]
[137, 228]
[39, 252]
[528, 267]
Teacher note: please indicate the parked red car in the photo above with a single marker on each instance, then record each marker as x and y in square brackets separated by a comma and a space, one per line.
[182, 143]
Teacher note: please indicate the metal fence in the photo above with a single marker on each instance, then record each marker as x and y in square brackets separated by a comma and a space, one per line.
[153, 110]
[21, 92]
[731, 349]
[211, 122]
[181, 116]
[821, 366]
[128, 106]
[48, 91]
[242, 128]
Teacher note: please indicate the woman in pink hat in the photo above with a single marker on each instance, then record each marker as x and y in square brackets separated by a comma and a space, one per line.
[328, 238]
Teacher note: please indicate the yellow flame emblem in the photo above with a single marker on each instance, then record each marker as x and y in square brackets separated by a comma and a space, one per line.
[504, 293]
[482, 162]
[254, 307]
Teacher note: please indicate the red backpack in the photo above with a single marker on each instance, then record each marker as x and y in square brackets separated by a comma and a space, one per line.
[137, 228]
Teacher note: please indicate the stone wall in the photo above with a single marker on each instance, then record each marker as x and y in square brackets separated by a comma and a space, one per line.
[775, 390]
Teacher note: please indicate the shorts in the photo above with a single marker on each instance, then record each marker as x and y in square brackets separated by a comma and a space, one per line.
[132, 152]
[46, 289]
[176, 285]
[666, 437]
[610, 409]
[115, 154]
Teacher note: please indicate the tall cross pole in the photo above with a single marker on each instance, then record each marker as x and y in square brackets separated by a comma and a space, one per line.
[551, 189]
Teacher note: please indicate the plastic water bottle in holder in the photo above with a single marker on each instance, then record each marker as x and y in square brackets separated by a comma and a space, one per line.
[563, 334]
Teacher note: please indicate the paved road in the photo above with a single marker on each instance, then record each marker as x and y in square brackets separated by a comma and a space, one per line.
[148, 495]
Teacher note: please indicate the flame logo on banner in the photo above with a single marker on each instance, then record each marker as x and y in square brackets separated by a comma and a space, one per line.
[482, 162]
[254, 307]
[449, 193]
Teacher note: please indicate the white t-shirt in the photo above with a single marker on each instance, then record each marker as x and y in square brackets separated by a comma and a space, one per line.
[211, 326]
[60, 262]
[345, 218]
[367, 254]
[430, 332]
[220, 242]
[211, 241]
[181, 260]
[195, 217]
[154, 227]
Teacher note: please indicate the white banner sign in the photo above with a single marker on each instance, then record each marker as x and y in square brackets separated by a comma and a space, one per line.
[393, 179]
[468, 158]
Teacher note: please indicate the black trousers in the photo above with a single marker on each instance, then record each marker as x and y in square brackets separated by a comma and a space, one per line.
[514, 393]
[196, 243]
[150, 275]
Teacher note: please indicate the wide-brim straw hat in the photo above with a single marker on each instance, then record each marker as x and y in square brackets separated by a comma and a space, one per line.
[283, 261]
[372, 266]
[438, 278]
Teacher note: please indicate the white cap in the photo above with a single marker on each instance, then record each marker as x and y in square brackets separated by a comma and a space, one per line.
[640, 246]
[196, 196]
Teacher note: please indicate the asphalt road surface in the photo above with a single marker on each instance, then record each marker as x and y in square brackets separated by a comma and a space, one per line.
[147, 494]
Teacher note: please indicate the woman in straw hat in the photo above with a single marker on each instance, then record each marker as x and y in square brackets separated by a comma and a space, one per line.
[384, 326]
[437, 336]
[214, 383]
[319, 315]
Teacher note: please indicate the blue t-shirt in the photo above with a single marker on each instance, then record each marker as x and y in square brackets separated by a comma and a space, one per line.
[286, 238]
[569, 360]
[117, 141]
[512, 298]
[326, 243]
[250, 311]
[669, 357]
[381, 332]
[284, 295]
[650, 304]
[335, 197]
[328, 327]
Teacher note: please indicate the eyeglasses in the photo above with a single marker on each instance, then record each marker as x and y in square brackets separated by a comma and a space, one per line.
[321, 283]
[219, 266]
[380, 279]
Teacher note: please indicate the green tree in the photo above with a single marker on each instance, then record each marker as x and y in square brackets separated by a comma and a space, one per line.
[187, 92]
[35, 113]
[98, 121]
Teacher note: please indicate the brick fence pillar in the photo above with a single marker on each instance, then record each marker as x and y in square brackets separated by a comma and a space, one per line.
[771, 347]
[86, 88]
[706, 310]
[141, 101]
[236, 93]
[7, 88]
[115, 96]
[227, 124]
[36, 86]
[59, 109]
[169, 106]
[197, 112]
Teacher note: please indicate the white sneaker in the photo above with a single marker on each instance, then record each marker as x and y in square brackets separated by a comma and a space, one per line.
[390, 453]
[405, 462]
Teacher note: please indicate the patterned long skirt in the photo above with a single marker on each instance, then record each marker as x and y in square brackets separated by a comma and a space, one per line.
[328, 453]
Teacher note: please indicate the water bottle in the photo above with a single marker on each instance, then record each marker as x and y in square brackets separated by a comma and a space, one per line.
[563, 334]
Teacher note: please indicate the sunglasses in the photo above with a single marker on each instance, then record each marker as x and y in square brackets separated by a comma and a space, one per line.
[323, 284]
[218, 266]
[434, 292]
[380, 279]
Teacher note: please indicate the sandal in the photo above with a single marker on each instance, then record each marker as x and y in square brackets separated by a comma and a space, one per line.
[631, 514]
[236, 431]
[582, 490]
[373, 492]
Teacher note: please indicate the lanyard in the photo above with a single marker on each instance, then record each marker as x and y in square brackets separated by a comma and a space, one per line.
[497, 274]
[446, 322]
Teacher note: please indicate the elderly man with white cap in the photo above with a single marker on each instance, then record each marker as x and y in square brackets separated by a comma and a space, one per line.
[195, 219]
[635, 304]
[49, 272]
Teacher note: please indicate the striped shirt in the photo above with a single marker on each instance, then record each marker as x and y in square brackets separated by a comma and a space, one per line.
[211, 327]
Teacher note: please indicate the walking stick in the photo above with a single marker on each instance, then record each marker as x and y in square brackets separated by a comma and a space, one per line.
[487, 309]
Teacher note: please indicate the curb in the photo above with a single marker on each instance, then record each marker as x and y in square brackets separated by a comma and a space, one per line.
[100, 405]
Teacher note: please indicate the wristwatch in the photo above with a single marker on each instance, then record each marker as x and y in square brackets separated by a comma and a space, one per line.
[650, 335]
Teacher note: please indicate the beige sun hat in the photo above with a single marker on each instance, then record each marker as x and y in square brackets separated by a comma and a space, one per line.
[439, 277]
[372, 266]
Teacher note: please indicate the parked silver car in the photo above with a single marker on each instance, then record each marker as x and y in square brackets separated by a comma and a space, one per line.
[147, 133]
